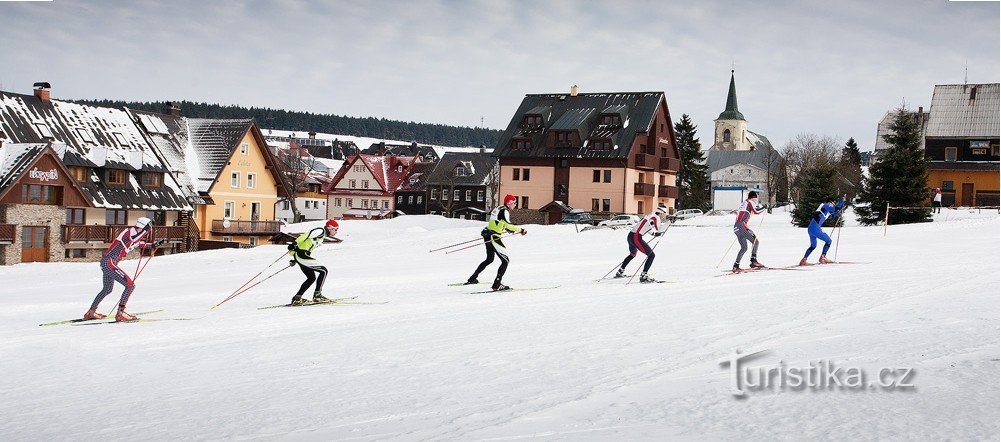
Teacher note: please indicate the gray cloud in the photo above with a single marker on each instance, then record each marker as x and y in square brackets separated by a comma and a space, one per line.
[831, 68]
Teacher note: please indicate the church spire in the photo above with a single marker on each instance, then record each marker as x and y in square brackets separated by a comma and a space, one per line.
[731, 112]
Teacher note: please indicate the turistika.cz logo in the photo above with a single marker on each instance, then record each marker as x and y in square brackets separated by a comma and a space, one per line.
[818, 375]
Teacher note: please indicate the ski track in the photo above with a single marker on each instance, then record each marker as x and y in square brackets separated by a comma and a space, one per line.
[593, 361]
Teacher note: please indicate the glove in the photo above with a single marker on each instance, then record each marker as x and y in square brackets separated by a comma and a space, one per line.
[523, 231]
[291, 246]
[159, 242]
[291, 262]
[658, 233]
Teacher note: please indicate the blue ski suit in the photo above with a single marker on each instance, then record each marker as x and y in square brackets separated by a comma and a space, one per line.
[816, 230]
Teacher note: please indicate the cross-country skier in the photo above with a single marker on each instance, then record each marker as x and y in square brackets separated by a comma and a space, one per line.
[301, 250]
[826, 210]
[653, 222]
[500, 222]
[129, 239]
[744, 233]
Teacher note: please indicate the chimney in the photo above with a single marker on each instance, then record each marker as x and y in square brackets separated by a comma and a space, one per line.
[43, 90]
[312, 135]
[921, 117]
[483, 148]
[573, 90]
[173, 109]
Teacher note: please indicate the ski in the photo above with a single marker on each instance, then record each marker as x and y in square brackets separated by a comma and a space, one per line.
[73, 321]
[459, 284]
[335, 301]
[655, 281]
[514, 290]
[142, 320]
[760, 269]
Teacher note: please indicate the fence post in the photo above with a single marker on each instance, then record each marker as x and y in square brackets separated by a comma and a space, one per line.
[886, 221]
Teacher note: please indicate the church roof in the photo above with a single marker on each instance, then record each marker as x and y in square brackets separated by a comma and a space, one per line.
[731, 112]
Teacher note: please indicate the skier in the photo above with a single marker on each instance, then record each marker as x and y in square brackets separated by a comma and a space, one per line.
[301, 250]
[129, 239]
[744, 233]
[652, 222]
[826, 210]
[500, 221]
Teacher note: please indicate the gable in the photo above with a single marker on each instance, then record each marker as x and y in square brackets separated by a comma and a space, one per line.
[42, 166]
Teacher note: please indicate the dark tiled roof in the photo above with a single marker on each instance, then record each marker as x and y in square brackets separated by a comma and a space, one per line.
[14, 158]
[581, 113]
[719, 159]
[419, 174]
[964, 165]
[170, 145]
[965, 111]
[481, 163]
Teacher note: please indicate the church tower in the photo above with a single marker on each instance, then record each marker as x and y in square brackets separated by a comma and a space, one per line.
[731, 127]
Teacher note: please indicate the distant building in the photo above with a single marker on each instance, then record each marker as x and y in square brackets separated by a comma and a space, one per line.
[740, 161]
[412, 196]
[366, 185]
[609, 153]
[883, 128]
[422, 152]
[463, 185]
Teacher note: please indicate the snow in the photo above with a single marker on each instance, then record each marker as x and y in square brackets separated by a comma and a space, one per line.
[586, 361]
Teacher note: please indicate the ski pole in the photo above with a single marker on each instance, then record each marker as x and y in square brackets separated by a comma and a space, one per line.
[613, 269]
[139, 269]
[455, 245]
[838, 240]
[237, 291]
[250, 287]
[659, 239]
[477, 244]
[727, 252]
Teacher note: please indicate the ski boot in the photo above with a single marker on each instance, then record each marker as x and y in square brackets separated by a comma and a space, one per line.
[736, 268]
[472, 281]
[645, 279]
[803, 262]
[756, 265]
[121, 316]
[621, 273]
[297, 300]
[824, 260]
[93, 314]
[318, 298]
[498, 287]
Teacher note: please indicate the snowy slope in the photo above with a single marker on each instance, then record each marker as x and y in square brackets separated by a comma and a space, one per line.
[586, 361]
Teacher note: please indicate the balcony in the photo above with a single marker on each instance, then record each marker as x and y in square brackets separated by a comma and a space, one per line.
[670, 165]
[97, 233]
[665, 191]
[646, 161]
[6, 233]
[644, 189]
[245, 227]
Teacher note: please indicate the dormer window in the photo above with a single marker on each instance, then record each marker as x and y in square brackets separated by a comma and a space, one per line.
[461, 171]
[601, 144]
[152, 179]
[117, 177]
[611, 120]
[399, 168]
[522, 144]
[564, 139]
[533, 121]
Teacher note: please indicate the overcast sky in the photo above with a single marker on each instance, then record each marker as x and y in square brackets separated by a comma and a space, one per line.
[823, 67]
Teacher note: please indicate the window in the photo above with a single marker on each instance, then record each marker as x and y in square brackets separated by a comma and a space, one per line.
[351, 202]
[399, 168]
[117, 176]
[234, 180]
[80, 174]
[516, 174]
[227, 209]
[40, 194]
[227, 238]
[455, 195]
[121, 139]
[726, 136]
[594, 204]
[385, 204]
[948, 185]
[410, 199]
[43, 130]
[525, 174]
[75, 216]
[253, 241]
[76, 253]
[337, 202]
[399, 199]
[285, 205]
[420, 199]
[479, 196]
[608, 176]
[601, 145]
[85, 135]
[596, 176]
[522, 144]
[606, 205]
[533, 120]
[950, 153]
[352, 184]
[114, 217]
[564, 139]
[244, 148]
[359, 168]
[364, 204]
[434, 194]
[524, 202]
[152, 179]
[251, 180]
[364, 184]
[461, 171]
[469, 195]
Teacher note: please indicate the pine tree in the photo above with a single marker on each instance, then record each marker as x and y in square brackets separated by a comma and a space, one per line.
[899, 178]
[819, 184]
[850, 167]
[693, 177]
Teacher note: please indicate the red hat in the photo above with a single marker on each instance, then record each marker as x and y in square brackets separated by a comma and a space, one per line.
[331, 223]
[510, 198]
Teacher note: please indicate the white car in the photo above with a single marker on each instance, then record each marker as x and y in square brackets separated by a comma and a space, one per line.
[687, 213]
[620, 221]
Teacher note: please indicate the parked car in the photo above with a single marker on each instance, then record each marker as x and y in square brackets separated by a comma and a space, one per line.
[687, 213]
[620, 221]
[577, 216]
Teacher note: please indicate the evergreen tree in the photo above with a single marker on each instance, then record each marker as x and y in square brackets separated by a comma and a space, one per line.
[899, 178]
[850, 167]
[819, 183]
[693, 176]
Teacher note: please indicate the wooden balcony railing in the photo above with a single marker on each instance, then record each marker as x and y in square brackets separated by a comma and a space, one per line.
[644, 189]
[246, 227]
[665, 191]
[670, 165]
[6, 233]
[646, 161]
[98, 233]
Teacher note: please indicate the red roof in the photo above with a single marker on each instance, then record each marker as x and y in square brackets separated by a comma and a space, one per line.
[389, 171]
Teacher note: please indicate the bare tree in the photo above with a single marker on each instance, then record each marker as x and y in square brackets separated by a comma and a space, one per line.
[807, 151]
[296, 165]
[493, 186]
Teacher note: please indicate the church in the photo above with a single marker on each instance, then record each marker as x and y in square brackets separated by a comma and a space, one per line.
[741, 161]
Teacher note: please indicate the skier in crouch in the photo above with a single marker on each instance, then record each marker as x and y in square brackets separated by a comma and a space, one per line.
[500, 221]
[744, 233]
[826, 210]
[650, 223]
[301, 251]
[129, 239]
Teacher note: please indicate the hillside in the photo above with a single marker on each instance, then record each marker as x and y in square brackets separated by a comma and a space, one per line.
[424, 133]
